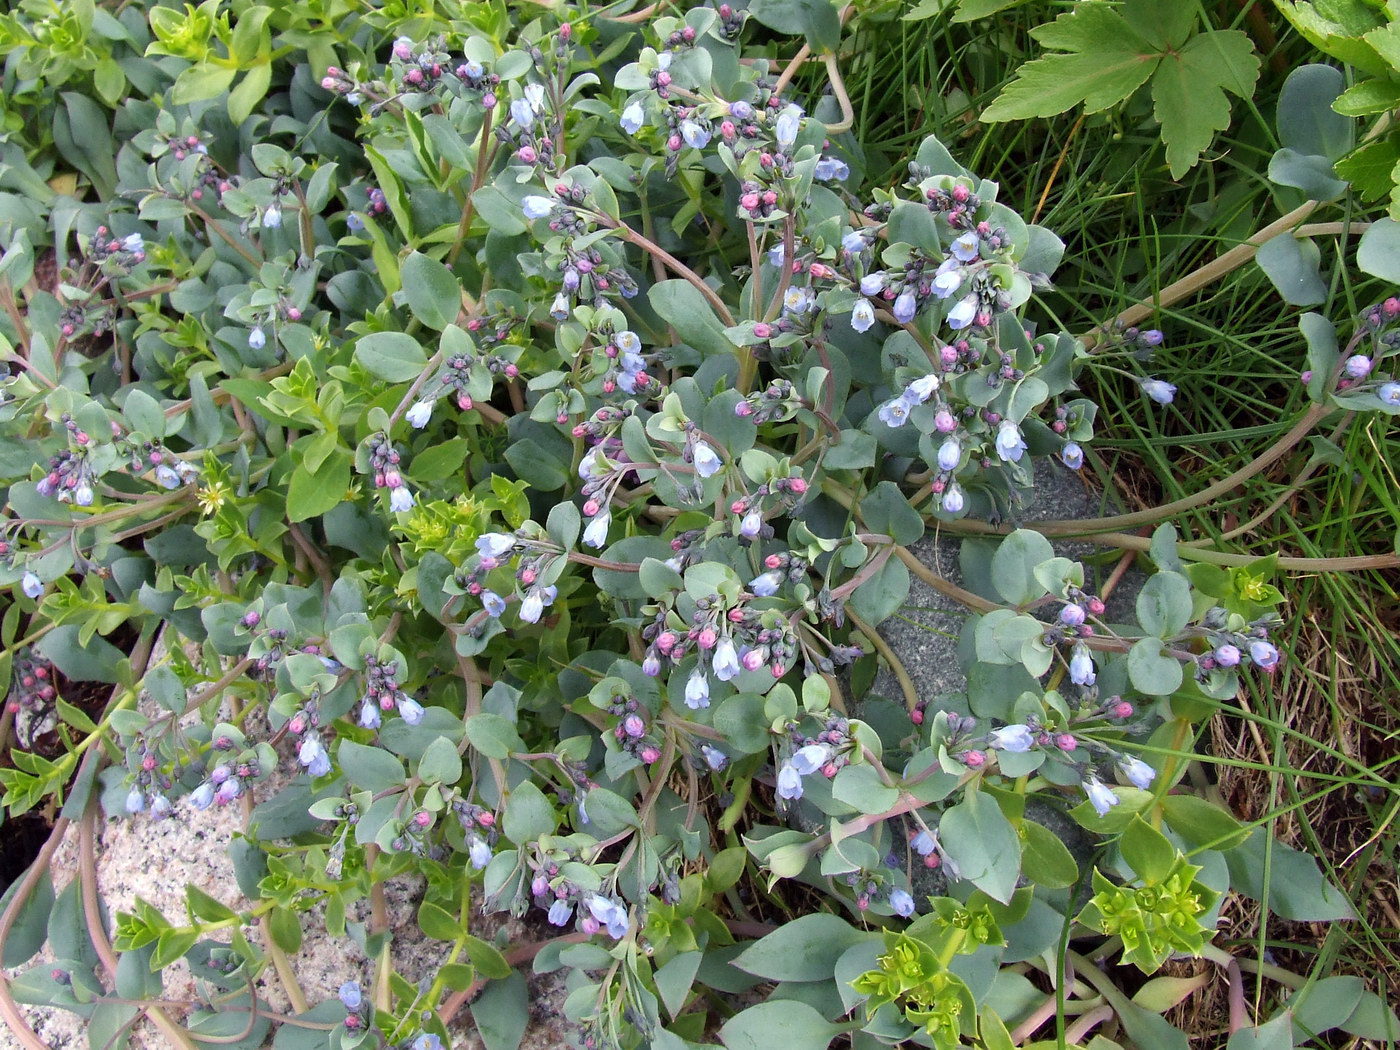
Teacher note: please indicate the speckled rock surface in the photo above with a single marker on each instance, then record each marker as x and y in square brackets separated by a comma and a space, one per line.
[156, 859]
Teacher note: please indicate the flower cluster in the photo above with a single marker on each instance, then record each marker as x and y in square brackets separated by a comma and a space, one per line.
[385, 465]
[382, 694]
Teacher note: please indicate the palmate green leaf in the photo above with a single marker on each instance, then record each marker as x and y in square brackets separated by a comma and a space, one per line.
[1188, 92]
[1106, 63]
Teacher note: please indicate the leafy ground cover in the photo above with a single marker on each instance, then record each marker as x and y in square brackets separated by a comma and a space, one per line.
[1100, 182]
[529, 412]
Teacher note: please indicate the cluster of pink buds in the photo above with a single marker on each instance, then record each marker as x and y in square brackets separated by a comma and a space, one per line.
[384, 462]
[633, 730]
[169, 471]
[125, 253]
[70, 477]
[479, 827]
[777, 401]
[382, 693]
[958, 205]
[787, 492]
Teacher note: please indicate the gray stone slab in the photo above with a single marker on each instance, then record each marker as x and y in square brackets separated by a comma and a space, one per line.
[924, 633]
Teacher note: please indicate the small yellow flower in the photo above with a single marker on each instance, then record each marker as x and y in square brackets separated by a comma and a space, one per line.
[212, 498]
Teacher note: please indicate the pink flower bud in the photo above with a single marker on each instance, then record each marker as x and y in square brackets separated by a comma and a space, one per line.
[707, 638]
[974, 759]
[1066, 741]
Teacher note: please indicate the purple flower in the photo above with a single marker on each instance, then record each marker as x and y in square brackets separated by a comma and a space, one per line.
[257, 339]
[611, 914]
[789, 782]
[31, 585]
[350, 996]
[410, 710]
[921, 389]
[963, 314]
[400, 500]
[953, 499]
[310, 751]
[1072, 615]
[901, 903]
[202, 796]
[1390, 393]
[1100, 797]
[495, 544]
[522, 113]
[1010, 444]
[479, 853]
[948, 279]
[706, 459]
[949, 453]
[695, 134]
[1014, 738]
[1138, 772]
[923, 844]
[873, 283]
[831, 169]
[1081, 666]
[272, 218]
[135, 800]
[1264, 654]
[1072, 455]
[1227, 655]
[965, 247]
[894, 413]
[493, 603]
[798, 301]
[905, 306]
[714, 757]
[633, 117]
[1159, 390]
[419, 414]
[862, 316]
[369, 714]
[1358, 366]
[560, 912]
[536, 207]
[788, 124]
[765, 585]
[751, 525]
[597, 532]
[697, 690]
[166, 477]
[811, 758]
[854, 243]
[725, 662]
